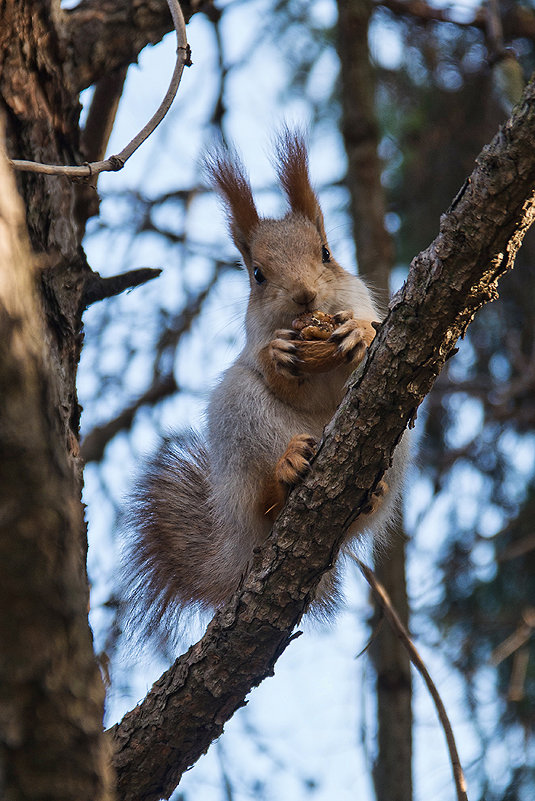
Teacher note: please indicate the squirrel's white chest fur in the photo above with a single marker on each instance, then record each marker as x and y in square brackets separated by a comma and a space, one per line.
[249, 424]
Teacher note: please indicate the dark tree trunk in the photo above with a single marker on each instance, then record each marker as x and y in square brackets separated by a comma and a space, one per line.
[51, 693]
[51, 742]
[375, 251]
[392, 772]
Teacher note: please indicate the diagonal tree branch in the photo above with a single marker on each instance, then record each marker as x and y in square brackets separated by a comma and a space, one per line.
[477, 243]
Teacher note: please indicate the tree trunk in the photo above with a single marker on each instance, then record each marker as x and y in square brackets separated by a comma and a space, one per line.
[51, 742]
[375, 250]
[392, 770]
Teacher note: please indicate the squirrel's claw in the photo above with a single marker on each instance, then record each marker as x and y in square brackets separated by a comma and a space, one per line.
[284, 353]
[294, 464]
[343, 317]
[352, 341]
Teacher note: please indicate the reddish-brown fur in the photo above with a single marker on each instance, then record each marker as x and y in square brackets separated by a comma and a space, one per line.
[230, 178]
[293, 174]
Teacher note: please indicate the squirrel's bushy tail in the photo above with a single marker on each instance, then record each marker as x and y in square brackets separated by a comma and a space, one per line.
[169, 550]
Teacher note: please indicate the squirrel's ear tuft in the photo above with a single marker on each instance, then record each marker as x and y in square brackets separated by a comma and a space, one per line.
[227, 174]
[292, 167]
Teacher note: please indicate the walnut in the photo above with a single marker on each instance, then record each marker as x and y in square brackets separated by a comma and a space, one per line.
[314, 325]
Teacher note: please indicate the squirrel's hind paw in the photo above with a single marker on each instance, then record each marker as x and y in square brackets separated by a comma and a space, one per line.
[376, 499]
[294, 463]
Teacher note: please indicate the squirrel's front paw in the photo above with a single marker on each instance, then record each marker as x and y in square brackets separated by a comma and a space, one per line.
[294, 463]
[284, 354]
[353, 336]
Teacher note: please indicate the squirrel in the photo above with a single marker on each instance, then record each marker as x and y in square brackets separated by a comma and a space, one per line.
[202, 508]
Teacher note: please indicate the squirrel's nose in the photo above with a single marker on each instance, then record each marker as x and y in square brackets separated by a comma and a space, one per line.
[303, 296]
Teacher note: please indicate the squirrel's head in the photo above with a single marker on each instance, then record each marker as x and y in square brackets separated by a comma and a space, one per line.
[288, 260]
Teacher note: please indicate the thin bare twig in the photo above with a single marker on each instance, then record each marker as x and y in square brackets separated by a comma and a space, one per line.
[395, 622]
[163, 383]
[117, 162]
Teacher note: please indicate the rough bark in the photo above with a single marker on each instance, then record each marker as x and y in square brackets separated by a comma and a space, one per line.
[51, 694]
[103, 35]
[51, 741]
[393, 764]
[41, 118]
[478, 240]
[375, 252]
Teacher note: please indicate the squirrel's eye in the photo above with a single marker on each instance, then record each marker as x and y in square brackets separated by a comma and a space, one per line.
[325, 254]
[259, 276]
